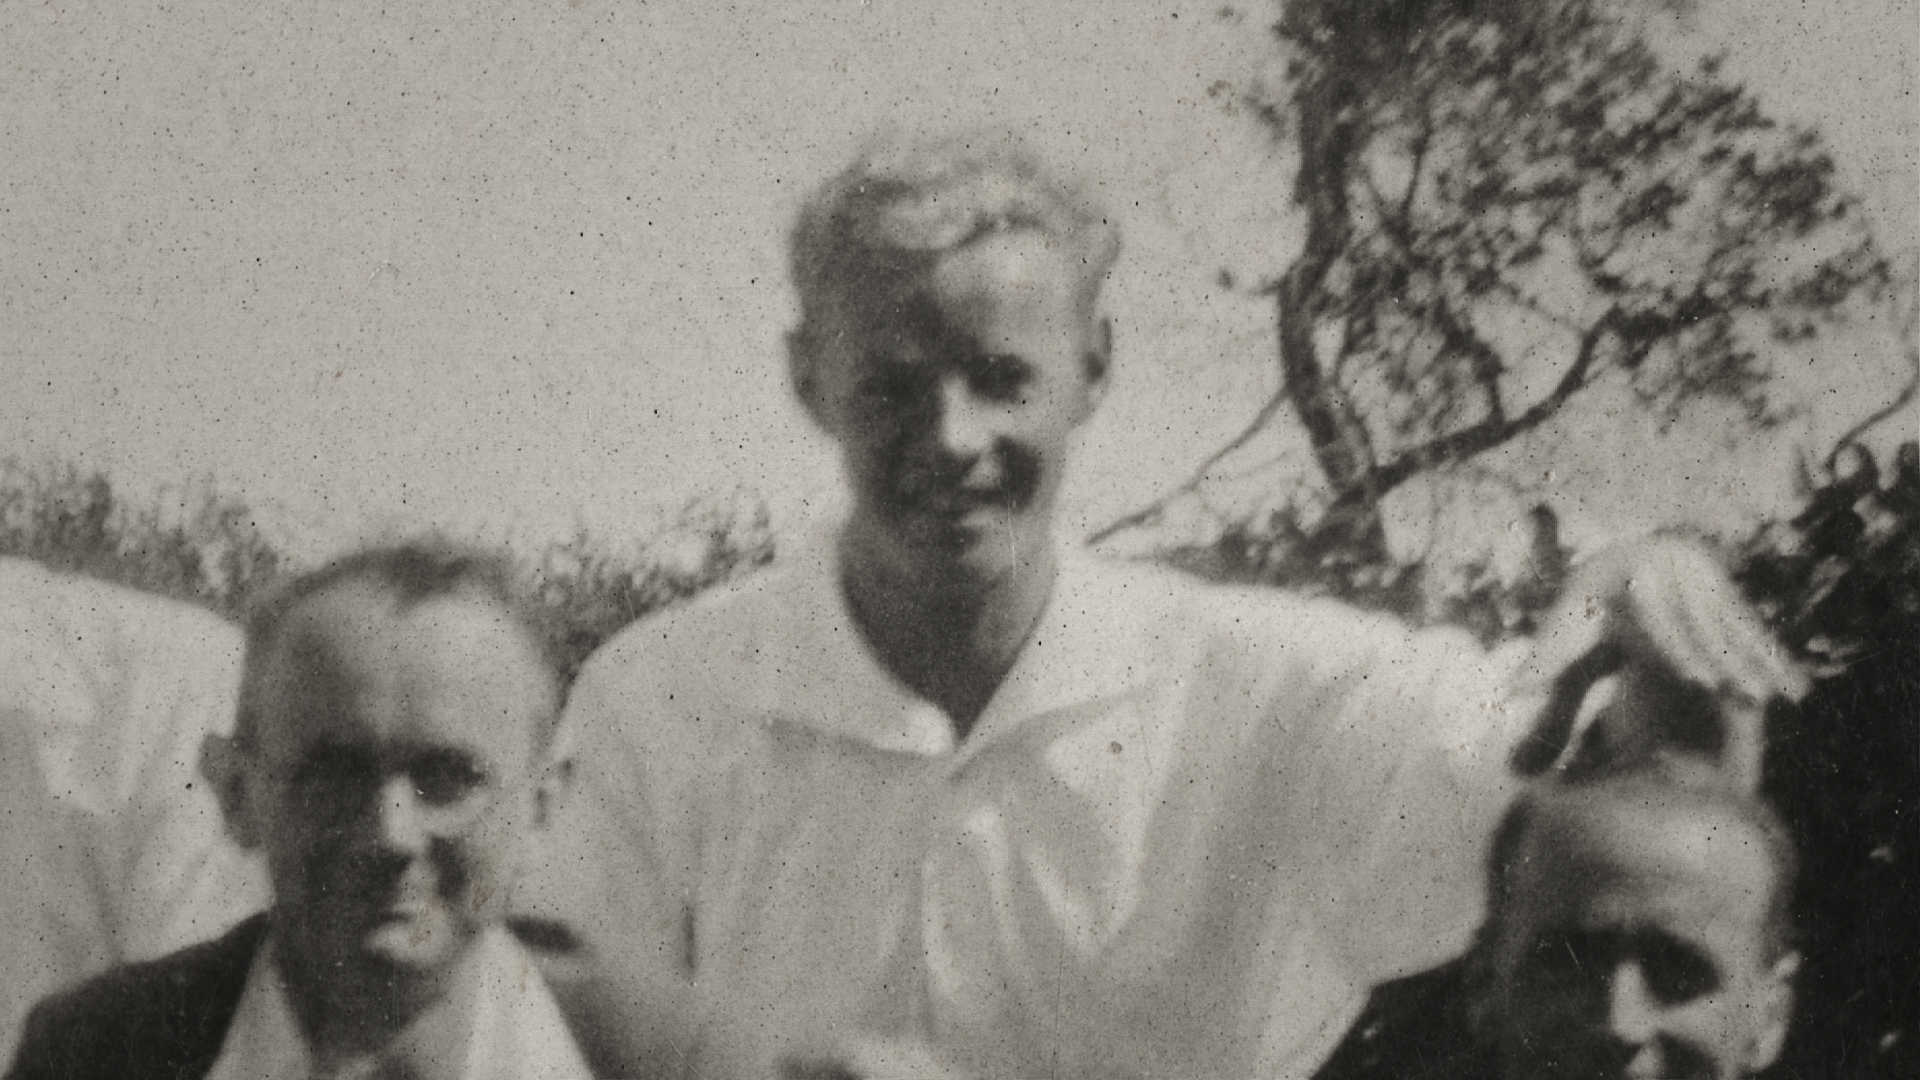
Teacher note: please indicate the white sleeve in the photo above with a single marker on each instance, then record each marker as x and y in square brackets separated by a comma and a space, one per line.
[610, 867]
[180, 879]
[119, 688]
[1411, 781]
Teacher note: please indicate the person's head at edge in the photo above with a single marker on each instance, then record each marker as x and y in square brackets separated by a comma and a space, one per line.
[394, 739]
[950, 341]
[1638, 927]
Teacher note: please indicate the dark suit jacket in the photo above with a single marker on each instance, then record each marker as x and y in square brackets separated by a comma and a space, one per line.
[164, 1019]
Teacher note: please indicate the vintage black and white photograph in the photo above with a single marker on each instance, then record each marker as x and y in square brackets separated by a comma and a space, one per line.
[960, 540]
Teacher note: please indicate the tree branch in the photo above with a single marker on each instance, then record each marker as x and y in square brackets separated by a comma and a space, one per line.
[1879, 415]
[1533, 304]
[1481, 358]
[1149, 513]
[1490, 433]
[1421, 144]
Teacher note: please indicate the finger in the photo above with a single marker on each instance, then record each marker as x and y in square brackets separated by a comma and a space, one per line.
[1691, 613]
[1746, 657]
[1745, 751]
[1656, 624]
[1753, 655]
[1566, 711]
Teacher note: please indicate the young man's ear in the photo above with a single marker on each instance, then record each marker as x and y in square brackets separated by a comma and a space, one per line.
[1775, 1002]
[223, 764]
[553, 789]
[803, 370]
[1098, 363]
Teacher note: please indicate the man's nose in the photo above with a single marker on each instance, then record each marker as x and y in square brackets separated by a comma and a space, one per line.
[965, 422]
[403, 826]
[1632, 1013]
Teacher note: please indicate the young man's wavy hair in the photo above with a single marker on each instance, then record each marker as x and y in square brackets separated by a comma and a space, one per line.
[907, 200]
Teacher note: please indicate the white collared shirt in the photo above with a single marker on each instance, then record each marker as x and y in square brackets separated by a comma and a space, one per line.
[111, 842]
[499, 1023]
[1191, 829]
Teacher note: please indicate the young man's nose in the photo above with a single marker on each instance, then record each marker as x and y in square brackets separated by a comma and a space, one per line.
[403, 825]
[965, 424]
[1633, 1015]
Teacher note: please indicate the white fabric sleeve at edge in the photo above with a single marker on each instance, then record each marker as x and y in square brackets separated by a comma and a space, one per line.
[1414, 882]
[598, 869]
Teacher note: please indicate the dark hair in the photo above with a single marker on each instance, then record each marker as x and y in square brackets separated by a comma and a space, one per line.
[905, 201]
[410, 573]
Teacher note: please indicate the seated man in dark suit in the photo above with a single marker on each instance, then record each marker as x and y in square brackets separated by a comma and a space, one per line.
[1639, 930]
[392, 747]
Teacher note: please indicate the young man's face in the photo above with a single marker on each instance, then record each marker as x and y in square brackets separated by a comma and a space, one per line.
[1635, 947]
[954, 398]
[394, 770]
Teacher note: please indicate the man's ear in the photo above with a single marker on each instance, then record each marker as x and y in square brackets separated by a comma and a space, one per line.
[553, 789]
[1774, 1000]
[803, 356]
[1099, 364]
[223, 764]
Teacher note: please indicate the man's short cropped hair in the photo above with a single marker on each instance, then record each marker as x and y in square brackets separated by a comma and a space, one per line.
[907, 200]
[410, 573]
[1673, 783]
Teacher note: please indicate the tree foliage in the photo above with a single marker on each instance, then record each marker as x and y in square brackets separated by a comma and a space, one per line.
[1841, 583]
[1504, 202]
[209, 549]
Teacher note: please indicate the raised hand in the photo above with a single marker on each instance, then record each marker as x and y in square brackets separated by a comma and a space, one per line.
[1652, 648]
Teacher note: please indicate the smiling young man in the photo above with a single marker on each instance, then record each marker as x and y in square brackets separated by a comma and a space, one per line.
[396, 717]
[954, 385]
[941, 795]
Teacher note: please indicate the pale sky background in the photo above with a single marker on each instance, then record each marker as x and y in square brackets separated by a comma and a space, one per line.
[517, 266]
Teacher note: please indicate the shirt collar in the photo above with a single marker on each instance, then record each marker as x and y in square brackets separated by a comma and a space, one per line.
[1090, 642]
[500, 1023]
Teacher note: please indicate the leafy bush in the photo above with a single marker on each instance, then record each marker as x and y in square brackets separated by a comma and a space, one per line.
[211, 550]
[1841, 582]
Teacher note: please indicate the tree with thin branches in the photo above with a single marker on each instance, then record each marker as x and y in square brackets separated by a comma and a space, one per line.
[1504, 203]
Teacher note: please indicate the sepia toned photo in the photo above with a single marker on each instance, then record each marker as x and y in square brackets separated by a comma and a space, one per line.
[988, 540]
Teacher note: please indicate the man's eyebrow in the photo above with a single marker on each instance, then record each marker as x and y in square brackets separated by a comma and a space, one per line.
[332, 754]
[334, 748]
[439, 755]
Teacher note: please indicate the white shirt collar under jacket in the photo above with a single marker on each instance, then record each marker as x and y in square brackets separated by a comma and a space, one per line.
[500, 1024]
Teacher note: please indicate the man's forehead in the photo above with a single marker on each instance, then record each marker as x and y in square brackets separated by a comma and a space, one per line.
[357, 639]
[1622, 859]
[1022, 271]
[1018, 266]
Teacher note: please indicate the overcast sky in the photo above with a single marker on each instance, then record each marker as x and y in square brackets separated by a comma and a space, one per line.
[519, 264]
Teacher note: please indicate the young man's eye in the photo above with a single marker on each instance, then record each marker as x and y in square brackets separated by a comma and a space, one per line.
[891, 386]
[1570, 957]
[999, 377]
[1676, 971]
[336, 773]
[440, 780]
